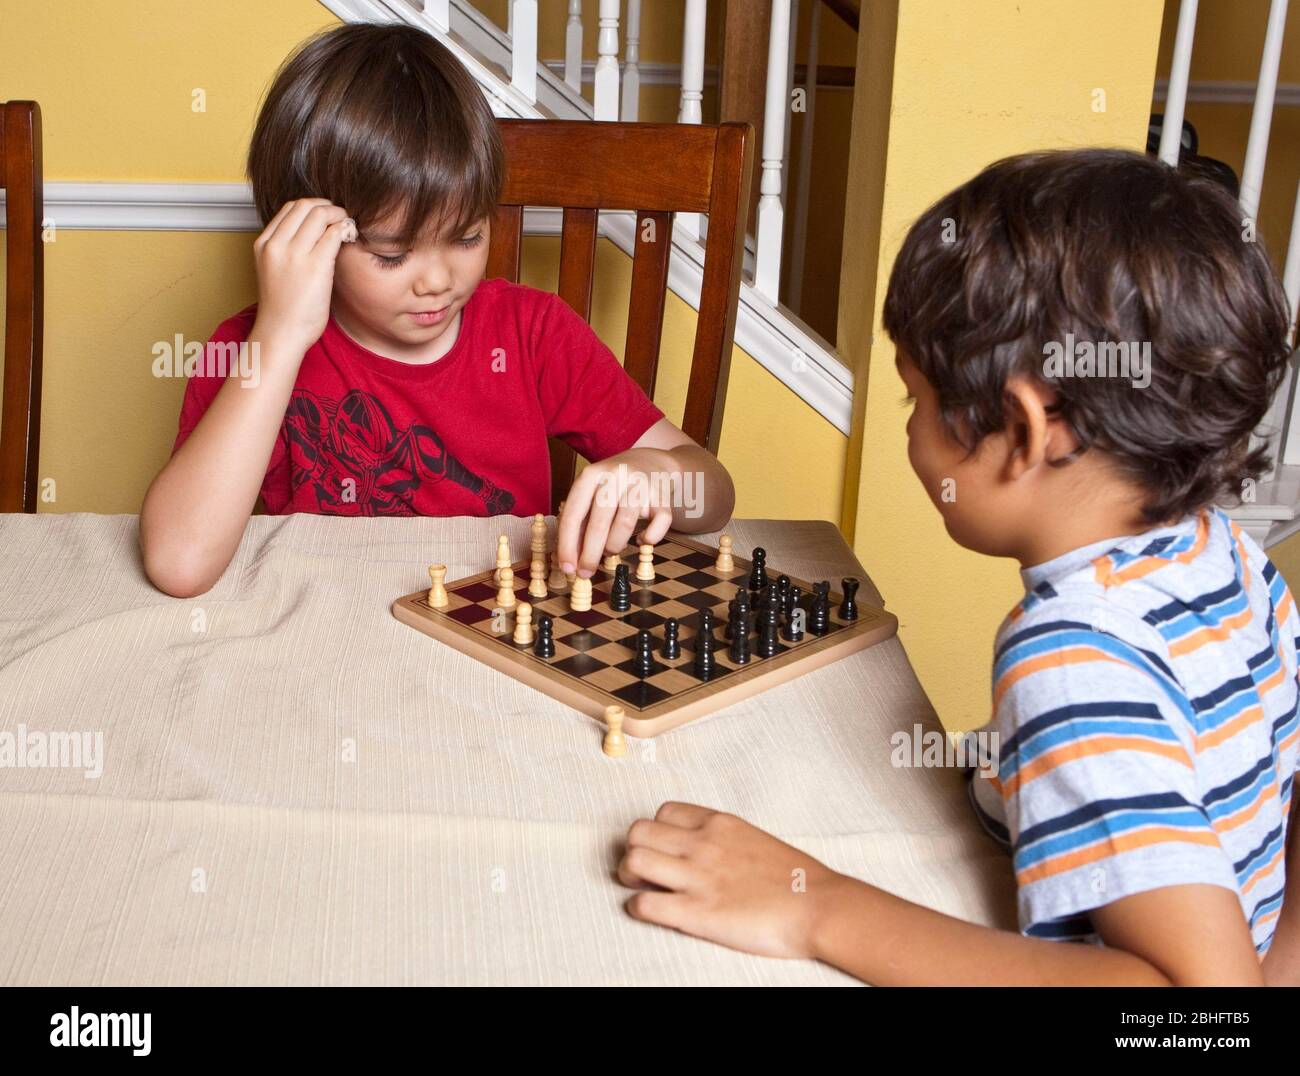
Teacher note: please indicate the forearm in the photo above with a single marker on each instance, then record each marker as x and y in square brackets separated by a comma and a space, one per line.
[1282, 964]
[195, 511]
[886, 941]
[708, 496]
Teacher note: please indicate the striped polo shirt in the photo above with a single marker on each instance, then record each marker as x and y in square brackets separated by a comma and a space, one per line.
[1145, 697]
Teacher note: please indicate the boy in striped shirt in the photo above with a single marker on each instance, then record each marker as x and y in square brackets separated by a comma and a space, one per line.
[1089, 343]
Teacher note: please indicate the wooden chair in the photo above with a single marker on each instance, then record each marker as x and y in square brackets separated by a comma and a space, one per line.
[656, 170]
[20, 417]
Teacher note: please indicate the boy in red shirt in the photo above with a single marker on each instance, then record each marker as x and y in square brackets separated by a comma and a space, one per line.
[387, 378]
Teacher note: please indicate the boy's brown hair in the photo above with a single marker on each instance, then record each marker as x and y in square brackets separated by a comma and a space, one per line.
[1109, 246]
[378, 119]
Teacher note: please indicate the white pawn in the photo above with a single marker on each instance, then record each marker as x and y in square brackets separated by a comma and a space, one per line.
[611, 563]
[537, 577]
[506, 588]
[615, 744]
[580, 598]
[539, 535]
[724, 562]
[558, 583]
[645, 566]
[524, 624]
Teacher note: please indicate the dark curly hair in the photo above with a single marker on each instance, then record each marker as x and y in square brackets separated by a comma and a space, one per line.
[378, 119]
[1112, 247]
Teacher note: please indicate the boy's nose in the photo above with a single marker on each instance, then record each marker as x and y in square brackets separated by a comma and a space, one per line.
[435, 279]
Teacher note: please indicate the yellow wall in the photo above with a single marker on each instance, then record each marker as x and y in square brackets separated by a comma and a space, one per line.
[116, 102]
[987, 80]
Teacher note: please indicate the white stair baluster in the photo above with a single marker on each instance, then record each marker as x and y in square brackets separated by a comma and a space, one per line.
[440, 12]
[631, 64]
[799, 246]
[1261, 117]
[606, 89]
[771, 214]
[523, 47]
[1291, 285]
[1171, 140]
[573, 47]
[690, 111]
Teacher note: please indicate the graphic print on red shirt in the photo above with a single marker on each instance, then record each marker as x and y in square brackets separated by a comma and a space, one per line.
[465, 435]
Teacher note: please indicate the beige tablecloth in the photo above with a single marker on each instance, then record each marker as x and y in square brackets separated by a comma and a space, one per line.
[298, 789]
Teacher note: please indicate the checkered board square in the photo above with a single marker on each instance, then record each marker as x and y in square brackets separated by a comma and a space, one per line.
[592, 667]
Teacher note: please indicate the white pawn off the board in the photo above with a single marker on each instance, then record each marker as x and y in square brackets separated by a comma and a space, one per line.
[580, 598]
[524, 624]
[615, 744]
[506, 588]
[437, 585]
[503, 557]
[645, 564]
[724, 562]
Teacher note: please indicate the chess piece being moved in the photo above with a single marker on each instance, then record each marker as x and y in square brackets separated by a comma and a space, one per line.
[558, 583]
[724, 563]
[615, 743]
[645, 564]
[437, 586]
[580, 596]
[611, 563]
[506, 587]
[524, 624]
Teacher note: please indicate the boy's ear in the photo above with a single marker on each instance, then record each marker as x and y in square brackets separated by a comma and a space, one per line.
[1028, 426]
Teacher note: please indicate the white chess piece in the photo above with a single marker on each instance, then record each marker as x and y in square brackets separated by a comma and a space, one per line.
[645, 566]
[524, 624]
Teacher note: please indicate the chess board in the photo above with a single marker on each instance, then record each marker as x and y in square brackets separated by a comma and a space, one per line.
[592, 666]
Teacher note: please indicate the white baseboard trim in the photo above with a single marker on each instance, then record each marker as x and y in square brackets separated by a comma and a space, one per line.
[778, 341]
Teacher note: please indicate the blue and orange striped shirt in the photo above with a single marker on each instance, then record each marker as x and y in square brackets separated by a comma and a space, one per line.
[1145, 697]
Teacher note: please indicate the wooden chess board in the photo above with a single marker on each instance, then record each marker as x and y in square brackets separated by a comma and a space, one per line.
[592, 666]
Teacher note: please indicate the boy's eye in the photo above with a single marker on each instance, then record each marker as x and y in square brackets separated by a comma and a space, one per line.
[391, 261]
[471, 240]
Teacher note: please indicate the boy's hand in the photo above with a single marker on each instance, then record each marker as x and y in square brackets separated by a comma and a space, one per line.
[295, 257]
[606, 503]
[725, 880]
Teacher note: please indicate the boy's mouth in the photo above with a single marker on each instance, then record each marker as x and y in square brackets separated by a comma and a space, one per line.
[429, 317]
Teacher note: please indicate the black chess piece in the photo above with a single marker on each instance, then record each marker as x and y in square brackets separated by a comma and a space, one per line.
[772, 604]
[758, 570]
[544, 640]
[620, 591]
[739, 608]
[819, 612]
[740, 646]
[672, 648]
[849, 606]
[792, 629]
[704, 643]
[767, 644]
[643, 661]
[783, 586]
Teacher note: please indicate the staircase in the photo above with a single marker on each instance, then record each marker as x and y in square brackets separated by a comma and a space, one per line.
[505, 63]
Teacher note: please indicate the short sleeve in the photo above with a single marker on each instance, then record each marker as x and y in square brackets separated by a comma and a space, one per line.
[587, 398]
[208, 375]
[1095, 770]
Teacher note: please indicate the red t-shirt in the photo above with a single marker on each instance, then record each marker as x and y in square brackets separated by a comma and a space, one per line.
[366, 435]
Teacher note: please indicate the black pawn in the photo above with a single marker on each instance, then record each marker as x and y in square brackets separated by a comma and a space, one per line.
[704, 630]
[767, 644]
[620, 592]
[849, 606]
[792, 630]
[672, 649]
[643, 662]
[544, 641]
[758, 570]
[739, 612]
[783, 586]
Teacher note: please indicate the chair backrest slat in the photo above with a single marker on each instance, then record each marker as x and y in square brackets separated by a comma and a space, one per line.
[654, 170]
[645, 319]
[20, 419]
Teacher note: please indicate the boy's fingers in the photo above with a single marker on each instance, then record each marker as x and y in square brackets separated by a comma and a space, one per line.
[335, 236]
[570, 525]
[314, 224]
[661, 836]
[658, 868]
[661, 520]
[287, 230]
[686, 815]
[274, 223]
[666, 909]
[594, 540]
